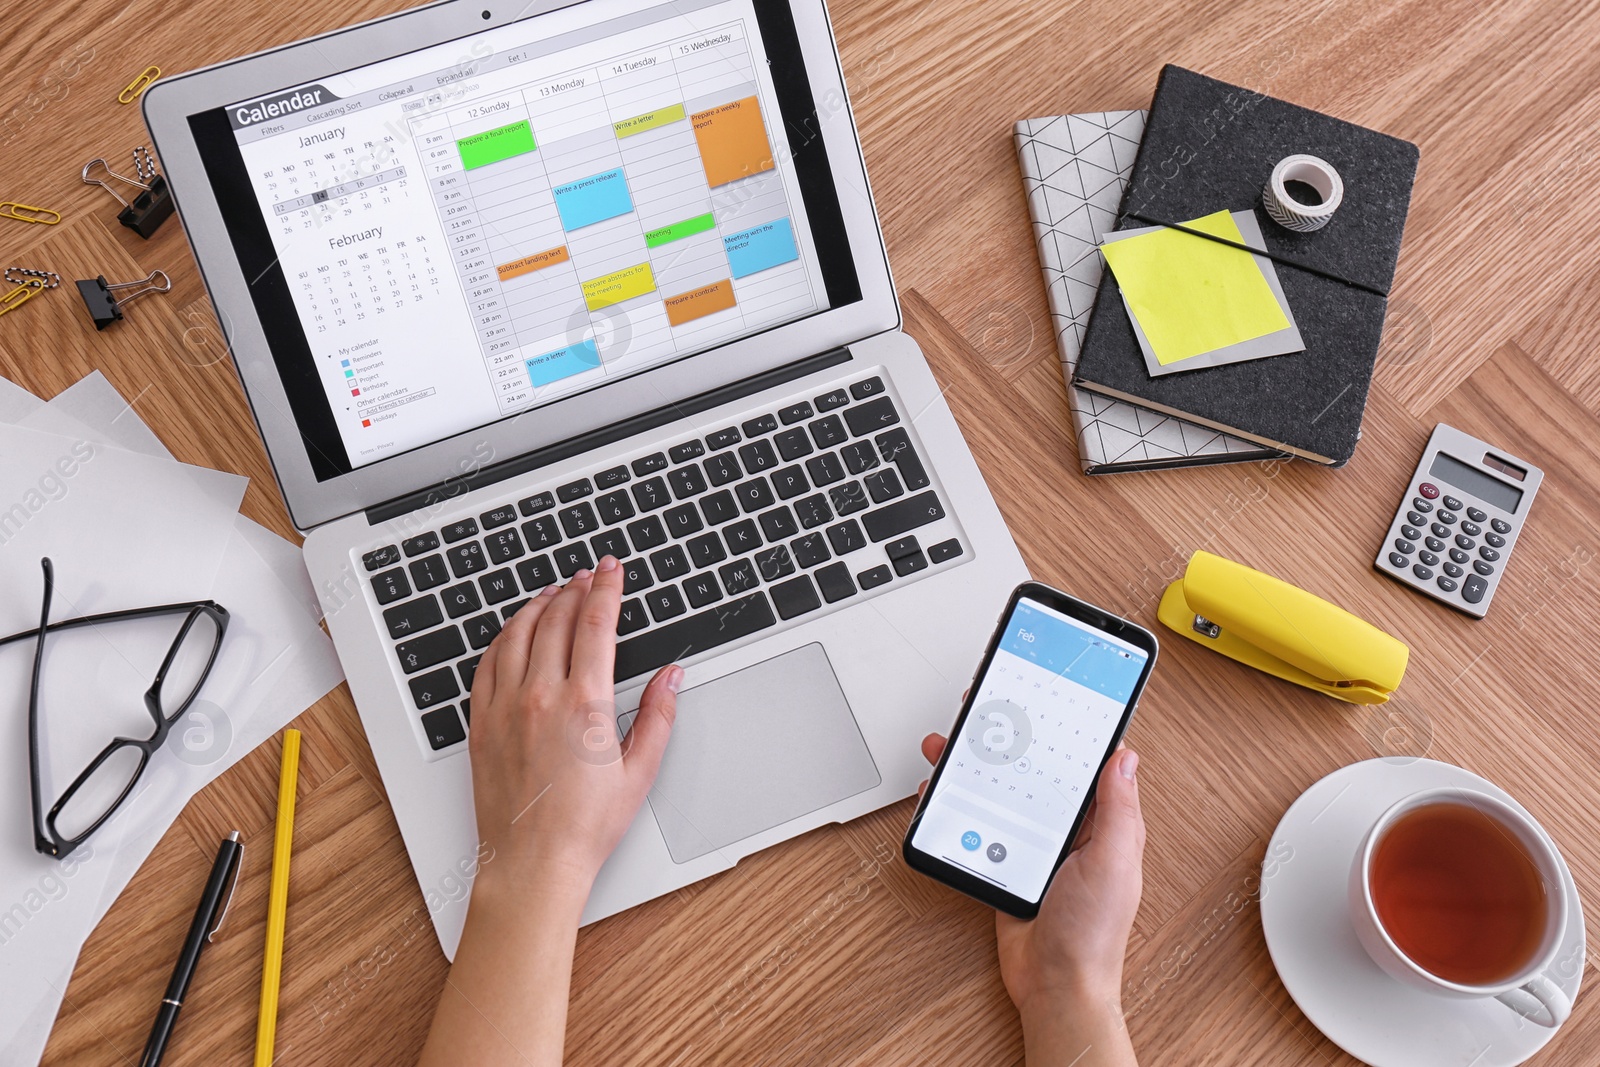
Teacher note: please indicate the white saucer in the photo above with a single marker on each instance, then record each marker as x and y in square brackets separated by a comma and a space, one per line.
[1306, 919]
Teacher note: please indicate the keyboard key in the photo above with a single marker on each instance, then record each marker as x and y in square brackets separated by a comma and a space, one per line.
[413, 617]
[1465, 542]
[792, 444]
[1488, 553]
[1452, 503]
[435, 687]
[468, 669]
[1471, 529]
[391, 586]
[458, 531]
[1397, 560]
[827, 432]
[1447, 517]
[1410, 533]
[461, 600]
[813, 511]
[1477, 515]
[415, 546]
[1449, 568]
[761, 424]
[1500, 526]
[874, 577]
[1403, 546]
[1419, 570]
[1421, 504]
[848, 498]
[795, 413]
[636, 576]
[429, 572]
[647, 533]
[498, 586]
[481, 629]
[719, 508]
[741, 537]
[615, 507]
[698, 633]
[1428, 559]
[811, 550]
[903, 515]
[570, 559]
[566, 494]
[739, 576]
[1459, 556]
[382, 557]
[846, 537]
[825, 469]
[498, 517]
[443, 728]
[1482, 568]
[859, 456]
[722, 439]
[905, 546]
[1473, 588]
[541, 532]
[612, 477]
[1495, 540]
[778, 523]
[882, 485]
[874, 415]
[503, 546]
[536, 573]
[430, 649]
[834, 581]
[685, 452]
[466, 559]
[795, 597]
[1440, 530]
[1434, 544]
[687, 481]
[533, 505]
[706, 550]
[1447, 584]
[753, 495]
[829, 401]
[758, 456]
[665, 603]
[723, 469]
[905, 565]
[658, 461]
[683, 520]
[632, 617]
[579, 519]
[775, 562]
[651, 495]
[509, 611]
[701, 590]
[670, 563]
[610, 543]
[870, 387]
[944, 550]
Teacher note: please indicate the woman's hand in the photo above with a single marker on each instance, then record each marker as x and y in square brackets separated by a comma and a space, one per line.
[553, 787]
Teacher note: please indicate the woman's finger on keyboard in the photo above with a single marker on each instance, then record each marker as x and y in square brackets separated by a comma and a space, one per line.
[552, 638]
[594, 645]
[511, 649]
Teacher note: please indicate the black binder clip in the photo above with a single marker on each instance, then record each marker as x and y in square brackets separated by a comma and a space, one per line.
[151, 205]
[105, 301]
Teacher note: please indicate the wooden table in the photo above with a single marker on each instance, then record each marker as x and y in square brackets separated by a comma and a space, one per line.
[826, 950]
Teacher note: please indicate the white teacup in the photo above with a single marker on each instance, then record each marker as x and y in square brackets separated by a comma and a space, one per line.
[1529, 992]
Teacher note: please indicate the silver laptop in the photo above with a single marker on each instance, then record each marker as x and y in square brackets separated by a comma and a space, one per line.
[510, 288]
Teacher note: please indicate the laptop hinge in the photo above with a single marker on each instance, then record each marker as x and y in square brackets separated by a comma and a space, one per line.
[616, 431]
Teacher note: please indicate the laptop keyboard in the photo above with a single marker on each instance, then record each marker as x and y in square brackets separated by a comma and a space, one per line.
[779, 516]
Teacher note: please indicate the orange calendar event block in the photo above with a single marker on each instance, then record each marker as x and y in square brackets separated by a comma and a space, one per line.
[733, 141]
[698, 303]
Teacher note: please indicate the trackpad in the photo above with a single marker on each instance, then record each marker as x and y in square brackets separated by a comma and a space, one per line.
[757, 748]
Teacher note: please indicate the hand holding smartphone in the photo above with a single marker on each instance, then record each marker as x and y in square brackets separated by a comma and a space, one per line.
[1050, 701]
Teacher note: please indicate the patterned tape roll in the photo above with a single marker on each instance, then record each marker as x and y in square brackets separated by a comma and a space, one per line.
[1292, 213]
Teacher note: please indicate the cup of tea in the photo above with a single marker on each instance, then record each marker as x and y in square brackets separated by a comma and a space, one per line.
[1457, 893]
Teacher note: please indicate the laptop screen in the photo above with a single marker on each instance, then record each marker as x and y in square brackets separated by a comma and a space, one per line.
[472, 231]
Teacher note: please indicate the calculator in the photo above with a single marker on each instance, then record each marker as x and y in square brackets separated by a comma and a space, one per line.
[1459, 520]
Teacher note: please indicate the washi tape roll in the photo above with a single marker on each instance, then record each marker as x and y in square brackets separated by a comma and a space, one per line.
[1303, 193]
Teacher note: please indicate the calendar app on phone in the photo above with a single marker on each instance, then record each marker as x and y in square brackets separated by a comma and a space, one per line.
[1042, 719]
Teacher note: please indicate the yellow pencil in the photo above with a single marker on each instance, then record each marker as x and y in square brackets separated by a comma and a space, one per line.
[278, 900]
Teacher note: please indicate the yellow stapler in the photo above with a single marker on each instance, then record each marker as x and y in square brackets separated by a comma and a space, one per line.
[1275, 627]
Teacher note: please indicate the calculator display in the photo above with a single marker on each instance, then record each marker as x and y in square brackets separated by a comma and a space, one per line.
[1489, 489]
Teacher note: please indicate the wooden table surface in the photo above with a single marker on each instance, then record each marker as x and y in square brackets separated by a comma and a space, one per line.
[826, 950]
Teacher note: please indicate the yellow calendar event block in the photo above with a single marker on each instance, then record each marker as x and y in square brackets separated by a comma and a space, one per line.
[618, 286]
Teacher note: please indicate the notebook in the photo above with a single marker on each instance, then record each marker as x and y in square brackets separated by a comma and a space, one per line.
[1207, 146]
[1074, 169]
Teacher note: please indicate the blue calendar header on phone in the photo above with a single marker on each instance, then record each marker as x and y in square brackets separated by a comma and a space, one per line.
[1093, 659]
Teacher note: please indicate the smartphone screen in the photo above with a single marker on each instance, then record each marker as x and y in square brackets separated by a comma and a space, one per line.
[1050, 703]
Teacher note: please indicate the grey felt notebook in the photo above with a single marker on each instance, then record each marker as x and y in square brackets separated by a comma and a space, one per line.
[1207, 146]
[1074, 169]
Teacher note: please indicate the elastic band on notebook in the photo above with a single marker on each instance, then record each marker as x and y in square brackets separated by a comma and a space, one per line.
[1286, 261]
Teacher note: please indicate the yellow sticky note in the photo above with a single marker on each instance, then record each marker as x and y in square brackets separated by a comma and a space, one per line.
[1192, 295]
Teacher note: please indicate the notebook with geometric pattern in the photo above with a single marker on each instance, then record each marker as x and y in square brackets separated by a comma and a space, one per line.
[1074, 168]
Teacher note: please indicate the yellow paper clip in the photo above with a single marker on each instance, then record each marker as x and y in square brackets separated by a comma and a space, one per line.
[10, 209]
[138, 85]
[14, 299]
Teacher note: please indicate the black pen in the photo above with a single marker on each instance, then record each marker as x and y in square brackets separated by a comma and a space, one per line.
[207, 920]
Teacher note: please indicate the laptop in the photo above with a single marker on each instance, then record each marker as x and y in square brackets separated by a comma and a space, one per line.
[513, 287]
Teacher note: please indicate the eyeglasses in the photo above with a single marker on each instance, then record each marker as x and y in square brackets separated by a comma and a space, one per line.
[97, 792]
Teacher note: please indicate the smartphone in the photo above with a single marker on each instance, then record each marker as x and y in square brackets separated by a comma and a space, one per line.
[1047, 706]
